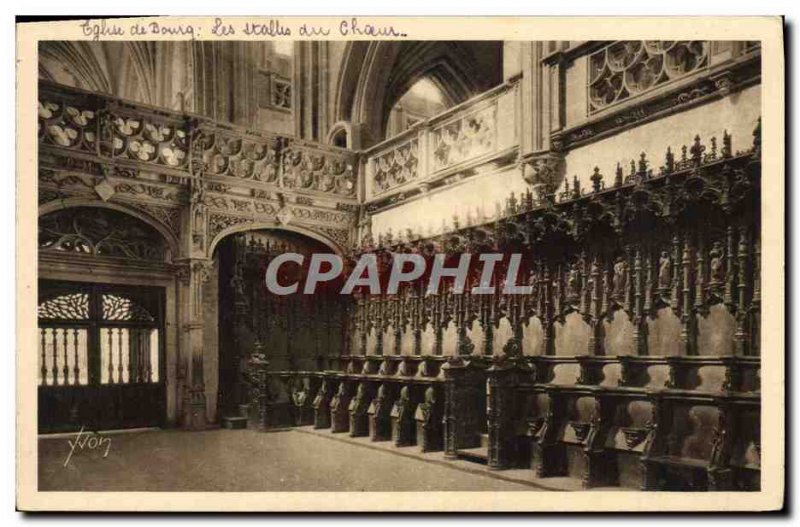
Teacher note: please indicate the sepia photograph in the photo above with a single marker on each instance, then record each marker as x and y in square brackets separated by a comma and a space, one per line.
[350, 256]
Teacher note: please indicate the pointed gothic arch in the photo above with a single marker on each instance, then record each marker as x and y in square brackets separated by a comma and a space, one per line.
[170, 238]
[375, 74]
[274, 226]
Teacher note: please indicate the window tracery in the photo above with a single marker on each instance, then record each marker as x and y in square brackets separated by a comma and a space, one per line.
[628, 68]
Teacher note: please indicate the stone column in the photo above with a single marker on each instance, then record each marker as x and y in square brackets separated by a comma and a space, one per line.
[541, 162]
[193, 272]
[193, 275]
[534, 90]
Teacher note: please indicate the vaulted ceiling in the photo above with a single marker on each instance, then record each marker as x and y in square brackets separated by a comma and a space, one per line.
[375, 75]
[157, 73]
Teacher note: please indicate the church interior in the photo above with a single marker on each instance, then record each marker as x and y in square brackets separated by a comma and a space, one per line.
[627, 172]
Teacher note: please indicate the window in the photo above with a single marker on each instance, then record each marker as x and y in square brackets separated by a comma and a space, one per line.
[274, 81]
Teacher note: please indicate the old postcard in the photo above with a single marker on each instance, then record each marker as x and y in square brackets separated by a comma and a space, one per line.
[395, 264]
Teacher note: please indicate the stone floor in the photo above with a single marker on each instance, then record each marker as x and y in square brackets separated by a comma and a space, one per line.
[244, 460]
[522, 476]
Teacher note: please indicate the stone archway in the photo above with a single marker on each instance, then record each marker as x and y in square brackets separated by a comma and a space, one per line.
[170, 237]
[375, 74]
[274, 226]
[118, 263]
[289, 333]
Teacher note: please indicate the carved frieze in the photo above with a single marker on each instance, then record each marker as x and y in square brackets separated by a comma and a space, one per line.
[66, 179]
[150, 191]
[323, 216]
[47, 195]
[86, 140]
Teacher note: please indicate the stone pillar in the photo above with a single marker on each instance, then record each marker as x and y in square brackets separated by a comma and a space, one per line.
[193, 272]
[310, 82]
[534, 89]
[541, 163]
[193, 275]
[224, 81]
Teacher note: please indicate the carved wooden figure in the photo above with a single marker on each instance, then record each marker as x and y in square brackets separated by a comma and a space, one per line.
[428, 418]
[340, 406]
[379, 412]
[359, 418]
[402, 414]
[322, 404]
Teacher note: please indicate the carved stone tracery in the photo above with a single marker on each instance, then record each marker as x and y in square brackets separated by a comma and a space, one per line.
[100, 232]
[627, 68]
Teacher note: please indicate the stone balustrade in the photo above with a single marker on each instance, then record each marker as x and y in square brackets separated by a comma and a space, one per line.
[455, 143]
[169, 164]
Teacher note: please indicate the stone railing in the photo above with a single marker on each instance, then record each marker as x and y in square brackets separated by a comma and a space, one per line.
[458, 141]
[162, 161]
[138, 136]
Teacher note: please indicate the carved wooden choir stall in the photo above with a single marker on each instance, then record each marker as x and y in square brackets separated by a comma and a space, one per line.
[633, 362]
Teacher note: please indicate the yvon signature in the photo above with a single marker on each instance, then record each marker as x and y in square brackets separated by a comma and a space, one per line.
[89, 441]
